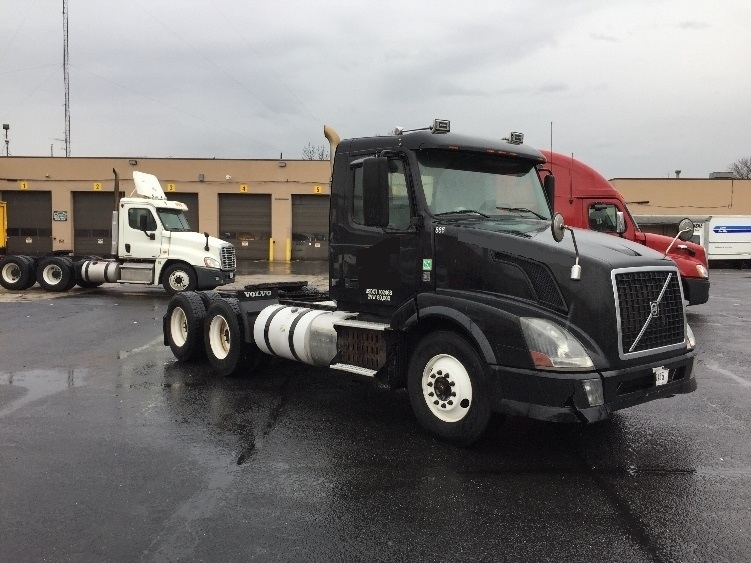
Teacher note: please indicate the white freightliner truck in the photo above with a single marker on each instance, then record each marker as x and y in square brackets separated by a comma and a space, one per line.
[450, 276]
[152, 244]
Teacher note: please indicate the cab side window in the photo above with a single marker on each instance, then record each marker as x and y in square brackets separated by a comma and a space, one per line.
[399, 206]
[135, 215]
[602, 217]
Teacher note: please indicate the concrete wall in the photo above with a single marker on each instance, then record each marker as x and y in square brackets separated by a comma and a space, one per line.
[685, 197]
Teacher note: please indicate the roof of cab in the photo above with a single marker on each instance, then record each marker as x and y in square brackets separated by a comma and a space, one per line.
[418, 140]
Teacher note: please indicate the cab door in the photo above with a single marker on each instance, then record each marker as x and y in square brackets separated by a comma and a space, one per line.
[141, 234]
[375, 269]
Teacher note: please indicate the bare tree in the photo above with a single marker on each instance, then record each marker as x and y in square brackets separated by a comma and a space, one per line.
[317, 152]
[741, 168]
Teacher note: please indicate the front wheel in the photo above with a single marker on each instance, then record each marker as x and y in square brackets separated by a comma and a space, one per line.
[448, 387]
[178, 278]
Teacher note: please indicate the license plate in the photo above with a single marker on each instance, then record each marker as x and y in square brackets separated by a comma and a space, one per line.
[231, 275]
[661, 375]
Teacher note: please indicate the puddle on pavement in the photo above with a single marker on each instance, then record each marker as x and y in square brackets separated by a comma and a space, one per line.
[40, 384]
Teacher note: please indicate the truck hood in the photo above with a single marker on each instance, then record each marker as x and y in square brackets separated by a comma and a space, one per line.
[532, 239]
[521, 261]
[181, 243]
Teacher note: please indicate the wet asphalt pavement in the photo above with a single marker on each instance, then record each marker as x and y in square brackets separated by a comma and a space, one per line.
[112, 451]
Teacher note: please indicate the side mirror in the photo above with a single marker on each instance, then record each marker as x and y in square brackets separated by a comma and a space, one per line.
[685, 229]
[558, 228]
[685, 232]
[375, 191]
[143, 223]
[548, 184]
[620, 222]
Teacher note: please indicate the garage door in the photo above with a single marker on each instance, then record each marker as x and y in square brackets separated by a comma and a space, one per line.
[310, 227]
[29, 222]
[92, 223]
[191, 200]
[245, 221]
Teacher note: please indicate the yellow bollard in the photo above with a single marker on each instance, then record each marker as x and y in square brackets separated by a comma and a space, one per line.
[288, 250]
[271, 250]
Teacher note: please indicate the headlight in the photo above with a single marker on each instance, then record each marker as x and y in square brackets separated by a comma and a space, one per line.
[702, 271]
[690, 340]
[210, 262]
[553, 347]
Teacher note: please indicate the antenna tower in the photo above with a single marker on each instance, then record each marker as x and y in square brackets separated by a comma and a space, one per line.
[66, 78]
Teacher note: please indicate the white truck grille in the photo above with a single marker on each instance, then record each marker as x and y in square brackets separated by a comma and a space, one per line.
[229, 262]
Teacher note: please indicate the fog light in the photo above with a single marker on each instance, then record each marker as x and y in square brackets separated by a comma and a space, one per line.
[593, 389]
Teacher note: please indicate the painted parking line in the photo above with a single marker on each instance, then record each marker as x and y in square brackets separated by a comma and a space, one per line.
[741, 381]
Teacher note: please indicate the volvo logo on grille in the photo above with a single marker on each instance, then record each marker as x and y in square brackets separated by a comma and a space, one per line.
[654, 308]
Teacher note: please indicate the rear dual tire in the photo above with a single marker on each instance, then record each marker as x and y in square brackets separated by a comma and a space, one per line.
[185, 315]
[56, 274]
[17, 273]
[224, 340]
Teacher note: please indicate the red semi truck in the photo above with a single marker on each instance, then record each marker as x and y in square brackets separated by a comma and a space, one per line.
[588, 201]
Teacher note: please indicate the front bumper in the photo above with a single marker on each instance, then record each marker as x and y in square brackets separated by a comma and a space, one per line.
[696, 290]
[209, 278]
[560, 396]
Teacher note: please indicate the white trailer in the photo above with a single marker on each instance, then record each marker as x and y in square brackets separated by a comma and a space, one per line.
[725, 237]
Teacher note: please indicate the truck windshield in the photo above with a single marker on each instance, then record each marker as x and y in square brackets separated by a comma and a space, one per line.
[173, 220]
[479, 184]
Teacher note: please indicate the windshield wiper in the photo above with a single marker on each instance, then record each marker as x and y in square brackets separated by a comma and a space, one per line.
[523, 210]
[463, 211]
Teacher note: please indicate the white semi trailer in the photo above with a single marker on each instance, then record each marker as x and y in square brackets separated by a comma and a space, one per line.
[152, 244]
[725, 237]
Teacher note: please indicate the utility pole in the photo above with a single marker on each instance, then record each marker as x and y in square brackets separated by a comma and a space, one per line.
[6, 126]
[66, 77]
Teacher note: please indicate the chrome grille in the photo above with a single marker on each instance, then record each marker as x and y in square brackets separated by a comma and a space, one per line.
[647, 322]
[229, 262]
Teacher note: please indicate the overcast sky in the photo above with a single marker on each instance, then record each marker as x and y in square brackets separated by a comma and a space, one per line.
[633, 88]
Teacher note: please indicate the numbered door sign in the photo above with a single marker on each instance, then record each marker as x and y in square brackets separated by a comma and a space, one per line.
[244, 188]
[171, 187]
[97, 186]
[24, 185]
[317, 189]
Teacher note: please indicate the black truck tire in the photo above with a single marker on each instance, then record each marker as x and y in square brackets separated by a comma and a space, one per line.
[178, 278]
[224, 340]
[447, 383]
[56, 274]
[16, 273]
[208, 297]
[185, 315]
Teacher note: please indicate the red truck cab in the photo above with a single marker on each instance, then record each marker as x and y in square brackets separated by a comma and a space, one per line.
[588, 201]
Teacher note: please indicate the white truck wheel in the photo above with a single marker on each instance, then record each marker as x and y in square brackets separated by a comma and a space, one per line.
[184, 324]
[16, 273]
[448, 388]
[56, 274]
[223, 338]
[178, 278]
